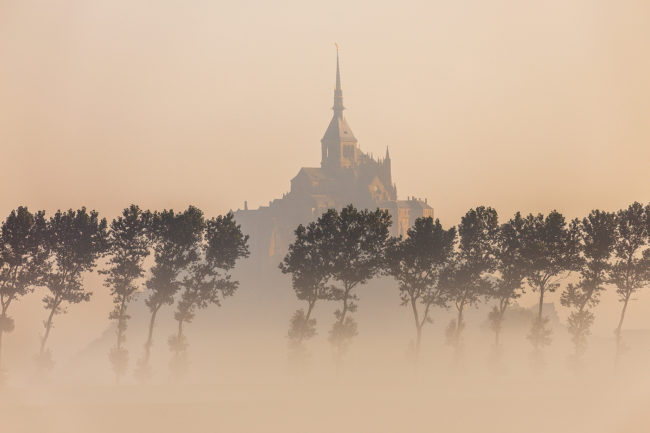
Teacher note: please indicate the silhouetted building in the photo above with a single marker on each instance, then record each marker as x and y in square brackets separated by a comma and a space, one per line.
[346, 175]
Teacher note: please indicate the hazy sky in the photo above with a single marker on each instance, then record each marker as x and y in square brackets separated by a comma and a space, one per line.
[520, 105]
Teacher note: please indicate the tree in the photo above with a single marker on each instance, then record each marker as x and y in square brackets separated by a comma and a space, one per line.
[23, 260]
[76, 239]
[207, 279]
[629, 272]
[416, 263]
[550, 250]
[598, 237]
[510, 267]
[306, 261]
[175, 240]
[467, 277]
[354, 256]
[129, 244]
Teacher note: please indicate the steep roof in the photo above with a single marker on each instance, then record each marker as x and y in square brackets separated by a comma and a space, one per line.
[313, 173]
[339, 130]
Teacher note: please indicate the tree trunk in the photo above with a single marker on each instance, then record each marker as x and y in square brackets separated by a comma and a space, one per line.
[120, 324]
[1, 332]
[619, 340]
[309, 310]
[340, 343]
[536, 329]
[418, 328]
[307, 316]
[119, 348]
[120, 336]
[178, 364]
[180, 330]
[3, 316]
[497, 329]
[149, 342]
[457, 336]
[459, 322]
[48, 327]
[345, 307]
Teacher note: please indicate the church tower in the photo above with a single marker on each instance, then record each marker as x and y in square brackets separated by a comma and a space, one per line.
[339, 146]
[346, 176]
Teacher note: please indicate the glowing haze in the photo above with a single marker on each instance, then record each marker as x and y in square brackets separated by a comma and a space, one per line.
[527, 106]
[516, 105]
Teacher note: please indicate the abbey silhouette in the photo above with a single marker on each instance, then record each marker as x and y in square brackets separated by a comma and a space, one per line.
[346, 176]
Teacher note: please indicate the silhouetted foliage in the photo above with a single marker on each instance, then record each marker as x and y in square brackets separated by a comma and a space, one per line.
[307, 263]
[129, 243]
[510, 267]
[631, 268]
[356, 241]
[301, 327]
[175, 239]
[23, 260]
[76, 239]
[467, 277]
[550, 249]
[207, 279]
[416, 263]
[328, 259]
[597, 234]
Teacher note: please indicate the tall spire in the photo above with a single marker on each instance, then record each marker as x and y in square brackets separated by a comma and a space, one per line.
[338, 93]
[338, 72]
[338, 145]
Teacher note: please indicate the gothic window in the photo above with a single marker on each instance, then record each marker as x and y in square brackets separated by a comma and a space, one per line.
[348, 151]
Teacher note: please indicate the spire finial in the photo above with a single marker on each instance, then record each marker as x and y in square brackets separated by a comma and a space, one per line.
[338, 93]
[338, 73]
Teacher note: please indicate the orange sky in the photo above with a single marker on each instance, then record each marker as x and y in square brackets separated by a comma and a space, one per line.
[520, 105]
[515, 105]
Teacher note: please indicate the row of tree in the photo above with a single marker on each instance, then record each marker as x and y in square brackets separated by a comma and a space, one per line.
[459, 267]
[191, 260]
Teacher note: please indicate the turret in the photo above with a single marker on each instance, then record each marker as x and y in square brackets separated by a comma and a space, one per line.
[386, 170]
